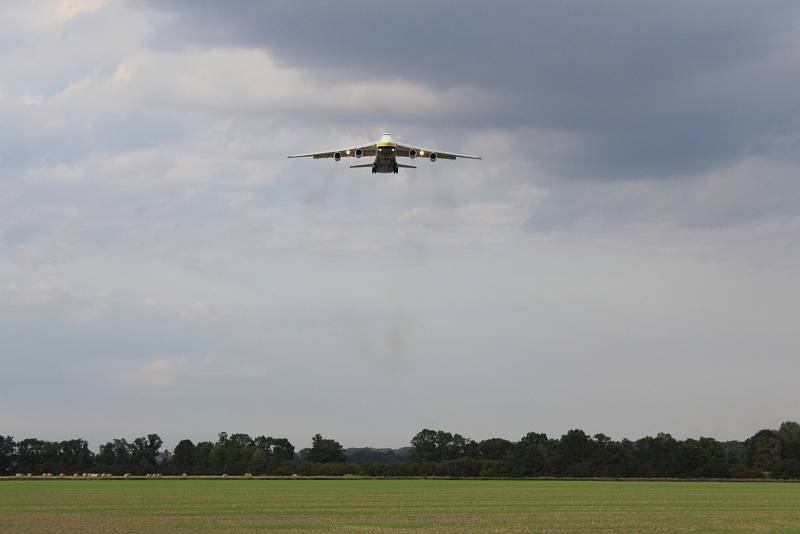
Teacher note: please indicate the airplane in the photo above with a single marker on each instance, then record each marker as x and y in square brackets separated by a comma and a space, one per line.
[386, 152]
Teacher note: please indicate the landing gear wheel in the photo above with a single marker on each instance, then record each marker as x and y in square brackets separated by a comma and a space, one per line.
[374, 170]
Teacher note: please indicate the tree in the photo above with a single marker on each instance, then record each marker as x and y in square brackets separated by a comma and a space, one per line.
[183, 455]
[258, 461]
[531, 455]
[425, 447]
[202, 457]
[325, 450]
[105, 456]
[612, 458]
[74, 455]
[763, 450]
[766, 453]
[369, 455]
[438, 445]
[495, 449]
[773, 453]
[703, 458]
[455, 446]
[240, 448]
[656, 456]
[144, 451]
[789, 434]
[271, 455]
[282, 449]
[7, 447]
[31, 455]
[786, 468]
[790, 431]
[574, 449]
[302, 454]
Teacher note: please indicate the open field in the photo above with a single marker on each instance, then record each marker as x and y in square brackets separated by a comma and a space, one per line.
[156, 506]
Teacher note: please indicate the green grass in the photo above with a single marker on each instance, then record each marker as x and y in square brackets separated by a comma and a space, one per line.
[397, 506]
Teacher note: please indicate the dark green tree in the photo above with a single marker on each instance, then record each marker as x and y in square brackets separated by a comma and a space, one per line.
[612, 458]
[202, 457]
[438, 445]
[424, 446]
[767, 451]
[74, 455]
[105, 456]
[282, 449]
[325, 450]
[31, 456]
[495, 449]
[763, 450]
[702, 458]
[573, 451]
[369, 455]
[183, 455]
[7, 450]
[789, 434]
[144, 451]
[656, 456]
[531, 455]
[240, 449]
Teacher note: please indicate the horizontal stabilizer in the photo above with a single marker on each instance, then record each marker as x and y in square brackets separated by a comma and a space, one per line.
[361, 166]
[406, 166]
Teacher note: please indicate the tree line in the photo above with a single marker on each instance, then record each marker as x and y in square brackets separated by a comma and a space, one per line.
[766, 454]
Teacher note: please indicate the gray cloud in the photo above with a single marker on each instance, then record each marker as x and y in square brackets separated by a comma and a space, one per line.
[647, 90]
[164, 268]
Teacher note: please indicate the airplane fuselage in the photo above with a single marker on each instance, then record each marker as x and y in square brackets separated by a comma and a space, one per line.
[385, 160]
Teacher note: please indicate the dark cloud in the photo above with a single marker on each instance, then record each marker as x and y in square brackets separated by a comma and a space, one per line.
[648, 89]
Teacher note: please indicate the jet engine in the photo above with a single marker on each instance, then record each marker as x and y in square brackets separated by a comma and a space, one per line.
[337, 156]
[433, 156]
[412, 153]
[359, 152]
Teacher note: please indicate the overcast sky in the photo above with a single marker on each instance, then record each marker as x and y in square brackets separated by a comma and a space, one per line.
[625, 259]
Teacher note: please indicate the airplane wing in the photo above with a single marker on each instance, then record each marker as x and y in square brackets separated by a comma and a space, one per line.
[404, 150]
[350, 152]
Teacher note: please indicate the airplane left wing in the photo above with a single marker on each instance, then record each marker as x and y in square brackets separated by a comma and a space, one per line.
[366, 150]
[405, 151]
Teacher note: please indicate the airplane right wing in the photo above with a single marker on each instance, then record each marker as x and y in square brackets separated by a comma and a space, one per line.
[403, 150]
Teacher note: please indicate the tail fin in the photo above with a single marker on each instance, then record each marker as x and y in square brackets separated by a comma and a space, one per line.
[406, 166]
[361, 166]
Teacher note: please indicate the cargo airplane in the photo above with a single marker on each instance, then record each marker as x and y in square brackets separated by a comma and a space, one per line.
[386, 151]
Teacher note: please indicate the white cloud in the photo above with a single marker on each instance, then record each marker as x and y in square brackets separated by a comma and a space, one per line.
[158, 373]
[241, 80]
[68, 9]
[168, 373]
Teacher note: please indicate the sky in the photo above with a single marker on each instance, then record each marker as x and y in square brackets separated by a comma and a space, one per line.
[625, 259]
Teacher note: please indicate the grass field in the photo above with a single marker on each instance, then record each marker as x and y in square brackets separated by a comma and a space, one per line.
[144, 506]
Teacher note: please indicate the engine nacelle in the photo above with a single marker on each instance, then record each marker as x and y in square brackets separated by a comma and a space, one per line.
[433, 156]
[412, 153]
[337, 156]
[359, 152]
